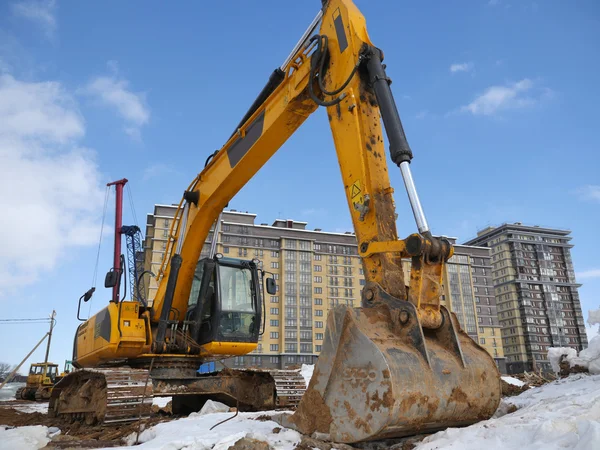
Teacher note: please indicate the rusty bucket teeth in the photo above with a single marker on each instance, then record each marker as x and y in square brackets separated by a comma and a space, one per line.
[381, 376]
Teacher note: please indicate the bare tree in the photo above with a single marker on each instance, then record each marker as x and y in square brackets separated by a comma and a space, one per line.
[5, 370]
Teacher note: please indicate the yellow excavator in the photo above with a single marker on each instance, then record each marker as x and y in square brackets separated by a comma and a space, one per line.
[398, 365]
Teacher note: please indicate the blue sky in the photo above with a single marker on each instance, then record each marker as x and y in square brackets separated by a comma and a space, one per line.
[498, 98]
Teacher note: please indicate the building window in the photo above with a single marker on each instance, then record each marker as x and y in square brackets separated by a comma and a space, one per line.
[274, 359]
[318, 248]
[226, 227]
[274, 254]
[274, 323]
[318, 290]
[275, 311]
[318, 257]
[291, 348]
[274, 265]
[318, 324]
[167, 223]
[225, 249]
[319, 312]
[318, 301]
[274, 335]
[319, 336]
[274, 347]
[274, 299]
[318, 279]
[482, 341]
[318, 268]
[305, 348]
[304, 245]
[290, 243]
[318, 348]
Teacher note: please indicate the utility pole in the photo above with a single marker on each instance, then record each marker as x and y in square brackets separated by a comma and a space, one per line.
[50, 335]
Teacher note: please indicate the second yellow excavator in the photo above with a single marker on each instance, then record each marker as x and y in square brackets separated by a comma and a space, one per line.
[398, 365]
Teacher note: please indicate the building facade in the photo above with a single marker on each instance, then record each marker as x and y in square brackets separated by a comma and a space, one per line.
[317, 270]
[536, 291]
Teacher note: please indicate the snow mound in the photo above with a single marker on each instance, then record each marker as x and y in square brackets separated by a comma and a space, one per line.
[211, 407]
[194, 432]
[23, 438]
[514, 381]
[588, 357]
[558, 415]
[161, 402]
[555, 353]
[307, 371]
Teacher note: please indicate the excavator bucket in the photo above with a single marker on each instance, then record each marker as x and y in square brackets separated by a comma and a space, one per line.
[381, 375]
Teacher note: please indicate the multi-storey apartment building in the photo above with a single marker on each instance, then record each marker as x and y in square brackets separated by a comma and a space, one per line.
[534, 282]
[316, 270]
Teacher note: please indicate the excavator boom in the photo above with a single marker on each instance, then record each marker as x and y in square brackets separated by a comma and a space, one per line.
[397, 365]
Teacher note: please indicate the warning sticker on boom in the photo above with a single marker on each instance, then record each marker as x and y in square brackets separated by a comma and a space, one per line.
[356, 192]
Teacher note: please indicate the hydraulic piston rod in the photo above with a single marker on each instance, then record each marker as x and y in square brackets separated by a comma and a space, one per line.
[399, 148]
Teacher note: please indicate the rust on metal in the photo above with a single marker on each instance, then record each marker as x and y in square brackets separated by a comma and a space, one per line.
[377, 377]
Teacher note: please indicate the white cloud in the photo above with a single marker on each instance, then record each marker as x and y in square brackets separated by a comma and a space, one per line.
[493, 2]
[157, 170]
[592, 273]
[113, 91]
[590, 192]
[43, 12]
[461, 67]
[50, 193]
[512, 96]
[422, 114]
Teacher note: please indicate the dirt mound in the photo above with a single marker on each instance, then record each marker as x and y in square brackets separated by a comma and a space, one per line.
[509, 390]
[77, 434]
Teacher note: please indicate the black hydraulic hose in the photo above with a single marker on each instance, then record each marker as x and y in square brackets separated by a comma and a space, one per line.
[140, 296]
[161, 332]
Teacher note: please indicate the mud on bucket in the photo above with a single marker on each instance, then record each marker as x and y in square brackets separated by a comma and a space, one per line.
[380, 375]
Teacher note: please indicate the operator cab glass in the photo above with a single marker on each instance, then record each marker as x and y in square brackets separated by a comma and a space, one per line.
[225, 302]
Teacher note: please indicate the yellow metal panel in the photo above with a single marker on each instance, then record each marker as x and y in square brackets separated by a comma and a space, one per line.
[228, 348]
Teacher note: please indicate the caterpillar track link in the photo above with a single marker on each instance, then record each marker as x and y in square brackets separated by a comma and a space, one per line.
[290, 387]
[102, 396]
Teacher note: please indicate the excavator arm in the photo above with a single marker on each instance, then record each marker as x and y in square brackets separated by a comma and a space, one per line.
[400, 364]
[340, 59]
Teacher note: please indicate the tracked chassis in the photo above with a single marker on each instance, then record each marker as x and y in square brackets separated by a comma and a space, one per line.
[114, 395]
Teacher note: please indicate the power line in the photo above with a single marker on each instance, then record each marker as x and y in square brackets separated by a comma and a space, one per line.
[16, 321]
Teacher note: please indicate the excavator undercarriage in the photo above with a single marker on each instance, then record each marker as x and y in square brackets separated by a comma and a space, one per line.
[121, 394]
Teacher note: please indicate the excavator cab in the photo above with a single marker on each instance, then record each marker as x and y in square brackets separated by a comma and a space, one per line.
[225, 301]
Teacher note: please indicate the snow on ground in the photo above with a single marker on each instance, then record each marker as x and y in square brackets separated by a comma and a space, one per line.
[194, 433]
[513, 381]
[29, 407]
[562, 414]
[23, 438]
[307, 372]
[8, 391]
[161, 402]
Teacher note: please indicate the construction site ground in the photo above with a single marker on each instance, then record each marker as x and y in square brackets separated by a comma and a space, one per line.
[558, 413]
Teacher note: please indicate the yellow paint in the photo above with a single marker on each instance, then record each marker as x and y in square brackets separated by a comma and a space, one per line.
[356, 128]
[228, 348]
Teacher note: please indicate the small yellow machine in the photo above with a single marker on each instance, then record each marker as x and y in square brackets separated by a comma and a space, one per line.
[40, 381]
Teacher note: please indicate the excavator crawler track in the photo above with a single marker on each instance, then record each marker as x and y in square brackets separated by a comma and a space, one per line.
[103, 396]
[290, 387]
